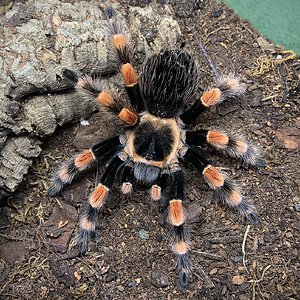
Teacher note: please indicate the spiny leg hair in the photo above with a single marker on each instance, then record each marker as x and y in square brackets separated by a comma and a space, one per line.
[69, 171]
[228, 88]
[224, 188]
[123, 51]
[177, 218]
[232, 145]
[96, 200]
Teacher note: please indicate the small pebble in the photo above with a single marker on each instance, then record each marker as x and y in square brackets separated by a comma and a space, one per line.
[143, 234]
[238, 279]
[217, 13]
[297, 206]
[120, 288]
[237, 259]
[159, 238]
[84, 122]
[138, 280]
[213, 271]
[159, 278]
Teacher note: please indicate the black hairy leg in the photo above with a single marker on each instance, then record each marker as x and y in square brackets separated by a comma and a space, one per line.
[70, 170]
[88, 88]
[124, 52]
[177, 218]
[159, 186]
[224, 188]
[127, 179]
[96, 200]
[228, 88]
[231, 145]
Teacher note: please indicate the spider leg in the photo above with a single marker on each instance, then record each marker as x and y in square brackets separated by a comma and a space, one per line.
[177, 217]
[127, 179]
[123, 51]
[88, 88]
[233, 146]
[224, 188]
[158, 187]
[227, 89]
[96, 200]
[69, 171]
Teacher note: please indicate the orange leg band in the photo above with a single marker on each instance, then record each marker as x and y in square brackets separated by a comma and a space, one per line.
[129, 74]
[216, 137]
[211, 97]
[98, 196]
[213, 176]
[84, 159]
[119, 41]
[128, 117]
[176, 213]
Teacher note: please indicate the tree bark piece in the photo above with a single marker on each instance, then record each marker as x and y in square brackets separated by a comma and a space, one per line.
[38, 39]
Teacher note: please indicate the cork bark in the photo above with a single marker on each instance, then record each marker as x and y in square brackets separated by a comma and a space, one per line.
[41, 38]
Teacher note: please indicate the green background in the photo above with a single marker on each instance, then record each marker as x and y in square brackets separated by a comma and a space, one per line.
[277, 20]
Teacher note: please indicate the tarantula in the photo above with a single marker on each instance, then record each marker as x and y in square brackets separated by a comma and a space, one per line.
[156, 140]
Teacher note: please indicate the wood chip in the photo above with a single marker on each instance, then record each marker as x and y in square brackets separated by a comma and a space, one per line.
[238, 279]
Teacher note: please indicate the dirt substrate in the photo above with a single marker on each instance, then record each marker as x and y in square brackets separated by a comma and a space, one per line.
[131, 257]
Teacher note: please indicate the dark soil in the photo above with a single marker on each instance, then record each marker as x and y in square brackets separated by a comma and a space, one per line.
[131, 257]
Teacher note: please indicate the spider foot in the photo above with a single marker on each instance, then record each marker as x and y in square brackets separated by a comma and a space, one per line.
[56, 187]
[184, 278]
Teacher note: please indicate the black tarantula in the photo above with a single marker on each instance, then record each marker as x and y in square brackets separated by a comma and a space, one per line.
[156, 139]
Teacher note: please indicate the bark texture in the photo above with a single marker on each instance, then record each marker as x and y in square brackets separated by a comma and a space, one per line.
[41, 38]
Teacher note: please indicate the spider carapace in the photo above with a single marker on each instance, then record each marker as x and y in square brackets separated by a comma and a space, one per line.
[156, 140]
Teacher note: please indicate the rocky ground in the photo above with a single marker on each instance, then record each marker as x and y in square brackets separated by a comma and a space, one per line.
[131, 257]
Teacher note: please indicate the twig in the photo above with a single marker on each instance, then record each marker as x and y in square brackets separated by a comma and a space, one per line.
[270, 97]
[243, 248]
[21, 272]
[13, 238]
[244, 26]
[255, 282]
[208, 255]
[217, 30]
[4, 227]
[262, 275]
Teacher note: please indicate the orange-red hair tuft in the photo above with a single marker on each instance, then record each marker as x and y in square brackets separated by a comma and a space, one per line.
[128, 117]
[98, 196]
[176, 212]
[119, 41]
[216, 137]
[129, 75]
[213, 176]
[84, 159]
[105, 99]
[211, 97]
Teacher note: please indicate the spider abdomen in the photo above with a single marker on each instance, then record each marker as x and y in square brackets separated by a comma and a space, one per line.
[168, 83]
